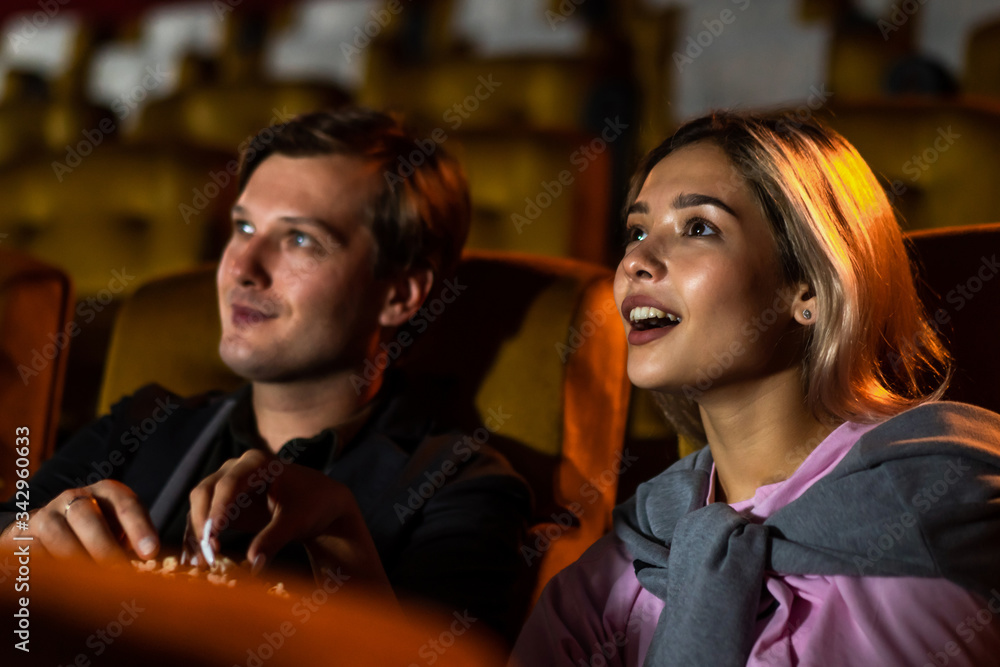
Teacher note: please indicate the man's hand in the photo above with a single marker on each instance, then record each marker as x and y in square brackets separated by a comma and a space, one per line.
[281, 503]
[101, 521]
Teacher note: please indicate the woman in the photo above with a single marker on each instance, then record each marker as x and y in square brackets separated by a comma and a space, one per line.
[768, 301]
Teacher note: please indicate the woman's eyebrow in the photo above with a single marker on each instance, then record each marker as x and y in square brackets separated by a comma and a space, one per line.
[639, 207]
[687, 200]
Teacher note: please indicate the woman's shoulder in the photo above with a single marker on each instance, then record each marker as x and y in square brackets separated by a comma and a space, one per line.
[937, 424]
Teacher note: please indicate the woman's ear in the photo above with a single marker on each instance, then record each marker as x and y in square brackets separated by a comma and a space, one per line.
[804, 305]
[406, 294]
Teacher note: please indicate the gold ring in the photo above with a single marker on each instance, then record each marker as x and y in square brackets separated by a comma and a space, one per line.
[75, 498]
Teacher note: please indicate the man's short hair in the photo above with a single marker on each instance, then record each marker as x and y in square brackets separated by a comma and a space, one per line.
[420, 212]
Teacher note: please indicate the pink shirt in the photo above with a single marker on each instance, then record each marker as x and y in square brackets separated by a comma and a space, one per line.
[595, 612]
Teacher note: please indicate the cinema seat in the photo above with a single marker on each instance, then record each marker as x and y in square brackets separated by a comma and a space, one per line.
[537, 191]
[534, 338]
[36, 302]
[936, 159]
[453, 92]
[98, 209]
[959, 282]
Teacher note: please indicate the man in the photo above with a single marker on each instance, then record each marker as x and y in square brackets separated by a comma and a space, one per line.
[334, 246]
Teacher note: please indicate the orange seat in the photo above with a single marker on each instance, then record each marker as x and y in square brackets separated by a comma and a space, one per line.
[35, 333]
[121, 618]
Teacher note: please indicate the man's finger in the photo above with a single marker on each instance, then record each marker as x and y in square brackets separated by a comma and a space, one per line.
[121, 503]
[53, 530]
[85, 519]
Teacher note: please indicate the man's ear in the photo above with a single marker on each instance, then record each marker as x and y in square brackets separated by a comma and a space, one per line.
[805, 308]
[406, 294]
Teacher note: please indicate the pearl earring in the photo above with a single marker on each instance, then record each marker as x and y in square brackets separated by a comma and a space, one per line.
[807, 314]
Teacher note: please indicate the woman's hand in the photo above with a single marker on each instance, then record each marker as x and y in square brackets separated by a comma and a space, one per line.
[101, 521]
[281, 503]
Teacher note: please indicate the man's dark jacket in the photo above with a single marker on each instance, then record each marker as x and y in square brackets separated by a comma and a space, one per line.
[447, 513]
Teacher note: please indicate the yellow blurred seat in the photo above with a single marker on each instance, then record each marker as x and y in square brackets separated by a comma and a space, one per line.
[224, 116]
[937, 159]
[36, 302]
[453, 92]
[539, 192]
[114, 216]
[535, 340]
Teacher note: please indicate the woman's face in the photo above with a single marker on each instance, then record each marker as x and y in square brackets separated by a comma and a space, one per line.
[700, 287]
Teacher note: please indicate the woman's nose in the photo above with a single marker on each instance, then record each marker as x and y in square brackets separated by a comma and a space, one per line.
[644, 261]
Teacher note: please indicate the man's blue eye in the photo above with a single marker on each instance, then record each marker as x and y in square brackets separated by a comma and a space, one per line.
[243, 227]
[301, 240]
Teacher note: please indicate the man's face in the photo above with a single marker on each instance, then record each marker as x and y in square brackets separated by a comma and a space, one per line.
[297, 293]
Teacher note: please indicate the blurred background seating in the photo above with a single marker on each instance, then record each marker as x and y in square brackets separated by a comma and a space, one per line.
[549, 103]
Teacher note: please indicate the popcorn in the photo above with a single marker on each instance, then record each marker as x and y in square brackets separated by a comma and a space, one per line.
[224, 572]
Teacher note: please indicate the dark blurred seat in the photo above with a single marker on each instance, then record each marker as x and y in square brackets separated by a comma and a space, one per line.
[959, 283]
[36, 303]
[982, 60]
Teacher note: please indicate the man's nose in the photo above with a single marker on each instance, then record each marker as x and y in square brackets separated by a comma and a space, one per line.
[250, 263]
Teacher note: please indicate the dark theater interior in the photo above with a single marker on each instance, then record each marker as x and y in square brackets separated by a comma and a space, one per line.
[125, 129]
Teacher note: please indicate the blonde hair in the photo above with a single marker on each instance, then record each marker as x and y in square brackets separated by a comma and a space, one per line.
[872, 352]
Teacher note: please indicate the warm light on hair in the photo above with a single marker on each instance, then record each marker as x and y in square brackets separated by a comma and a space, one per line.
[872, 352]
